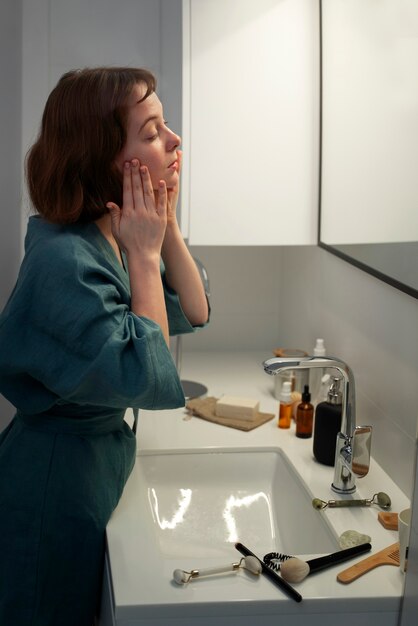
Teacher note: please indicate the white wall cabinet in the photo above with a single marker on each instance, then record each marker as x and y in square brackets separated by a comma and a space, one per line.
[250, 122]
[243, 78]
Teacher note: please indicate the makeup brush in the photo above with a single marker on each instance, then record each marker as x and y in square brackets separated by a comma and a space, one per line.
[295, 570]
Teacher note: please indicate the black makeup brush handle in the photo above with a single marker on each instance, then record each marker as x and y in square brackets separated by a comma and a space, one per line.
[337, 557]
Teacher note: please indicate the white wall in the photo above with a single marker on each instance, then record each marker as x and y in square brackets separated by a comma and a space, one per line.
[245, 298]
[10, 156]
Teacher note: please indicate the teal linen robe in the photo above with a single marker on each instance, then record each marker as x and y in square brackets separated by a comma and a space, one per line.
[73, 357]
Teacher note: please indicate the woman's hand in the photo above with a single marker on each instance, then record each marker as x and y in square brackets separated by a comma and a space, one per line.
[139, 225]
[139, 229]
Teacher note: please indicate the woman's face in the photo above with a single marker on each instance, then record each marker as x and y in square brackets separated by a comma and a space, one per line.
[149, 140]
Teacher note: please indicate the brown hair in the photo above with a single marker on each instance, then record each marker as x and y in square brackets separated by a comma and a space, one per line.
[70, 169]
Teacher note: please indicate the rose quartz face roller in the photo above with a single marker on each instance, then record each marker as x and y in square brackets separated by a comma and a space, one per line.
[250, 563]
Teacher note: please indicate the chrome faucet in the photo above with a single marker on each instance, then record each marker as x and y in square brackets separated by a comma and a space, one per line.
[352, 453]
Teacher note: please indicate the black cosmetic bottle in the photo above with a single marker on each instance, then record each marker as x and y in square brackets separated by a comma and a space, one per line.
[328, 424]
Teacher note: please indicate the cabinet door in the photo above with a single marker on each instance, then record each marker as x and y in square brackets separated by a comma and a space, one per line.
[250, 122]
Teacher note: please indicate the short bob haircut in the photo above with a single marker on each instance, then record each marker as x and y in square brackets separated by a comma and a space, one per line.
[70, 170]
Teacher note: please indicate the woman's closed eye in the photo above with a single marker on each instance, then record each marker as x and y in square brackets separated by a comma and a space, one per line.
[155, 132]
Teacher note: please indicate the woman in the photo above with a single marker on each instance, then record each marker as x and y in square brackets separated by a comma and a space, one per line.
[85, 333]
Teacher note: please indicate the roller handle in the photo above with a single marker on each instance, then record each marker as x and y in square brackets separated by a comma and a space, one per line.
[181, 576]
[343, 503]
[220, 569]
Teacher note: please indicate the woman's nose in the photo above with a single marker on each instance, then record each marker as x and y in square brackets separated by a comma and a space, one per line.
[174, 141]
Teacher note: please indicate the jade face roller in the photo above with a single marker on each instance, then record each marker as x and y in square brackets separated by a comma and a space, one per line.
[250, 563]
[381, 499]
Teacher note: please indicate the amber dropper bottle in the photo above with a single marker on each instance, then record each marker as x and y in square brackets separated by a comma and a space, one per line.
[304, 415]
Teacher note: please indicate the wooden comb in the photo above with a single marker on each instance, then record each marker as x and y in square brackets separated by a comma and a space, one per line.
[387, 556]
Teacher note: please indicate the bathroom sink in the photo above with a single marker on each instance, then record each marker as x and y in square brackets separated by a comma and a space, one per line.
[197, 504]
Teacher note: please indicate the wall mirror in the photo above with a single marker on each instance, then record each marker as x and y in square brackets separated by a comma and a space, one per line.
[369, 137]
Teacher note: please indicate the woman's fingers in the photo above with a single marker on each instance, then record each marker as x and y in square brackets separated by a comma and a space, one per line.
[115, 214]
[139, 225]
[127, 186]
[161, 207]
[139, 194]
[138, 200]
[138, 190]
[148, 191]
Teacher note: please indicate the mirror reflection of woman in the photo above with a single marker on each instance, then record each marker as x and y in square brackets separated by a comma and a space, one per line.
[106, 278]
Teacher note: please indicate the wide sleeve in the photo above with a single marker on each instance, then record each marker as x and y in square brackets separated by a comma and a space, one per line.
[73, 338]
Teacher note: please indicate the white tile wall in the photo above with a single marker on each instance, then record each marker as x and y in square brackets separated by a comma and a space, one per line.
[244, 298]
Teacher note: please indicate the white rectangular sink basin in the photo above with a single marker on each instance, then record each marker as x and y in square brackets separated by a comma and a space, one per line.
[197, 504]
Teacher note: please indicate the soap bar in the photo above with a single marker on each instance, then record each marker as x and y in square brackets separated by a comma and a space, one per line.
[237, 407]
[388, 520]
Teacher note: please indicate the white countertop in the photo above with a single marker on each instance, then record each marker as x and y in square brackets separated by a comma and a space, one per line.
[241, 374]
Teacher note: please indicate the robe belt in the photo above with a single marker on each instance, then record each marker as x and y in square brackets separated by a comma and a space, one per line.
[98, 425]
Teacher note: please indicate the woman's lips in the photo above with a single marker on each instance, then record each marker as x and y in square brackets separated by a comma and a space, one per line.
[174, 165]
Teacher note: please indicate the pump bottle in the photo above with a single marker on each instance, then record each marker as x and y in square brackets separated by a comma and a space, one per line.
[328, 424]
[316, 373]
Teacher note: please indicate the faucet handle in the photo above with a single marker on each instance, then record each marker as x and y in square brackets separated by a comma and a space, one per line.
[352, 458]
[361, 444]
